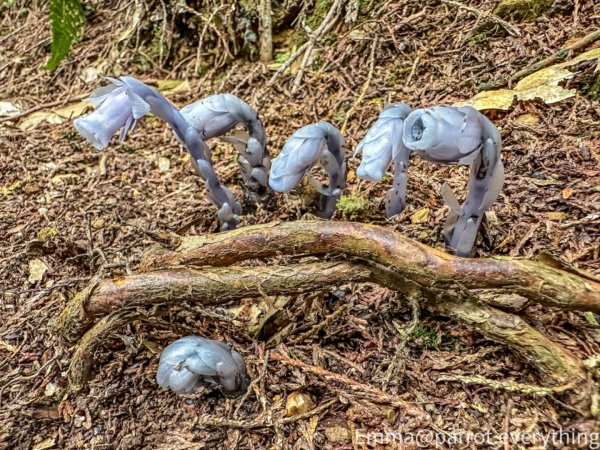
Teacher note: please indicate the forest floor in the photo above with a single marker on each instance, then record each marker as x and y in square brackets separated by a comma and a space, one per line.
[69, 213]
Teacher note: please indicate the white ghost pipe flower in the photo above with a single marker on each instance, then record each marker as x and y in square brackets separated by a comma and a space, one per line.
[444, 134]
[126, 100]
[218, 114]
[463, 135]
[193, 361]
[119, 109]
[320, 143]
[383, 142]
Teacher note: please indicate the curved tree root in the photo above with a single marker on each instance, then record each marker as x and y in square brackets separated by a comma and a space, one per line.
[381, 256]
[151, 289]
[538, 281]
[208, 287]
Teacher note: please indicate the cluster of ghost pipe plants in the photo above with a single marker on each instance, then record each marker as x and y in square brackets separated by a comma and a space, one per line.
[440, 134]
[445, 135]
[127, 99]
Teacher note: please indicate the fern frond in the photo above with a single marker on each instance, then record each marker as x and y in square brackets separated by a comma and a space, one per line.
[67, 19]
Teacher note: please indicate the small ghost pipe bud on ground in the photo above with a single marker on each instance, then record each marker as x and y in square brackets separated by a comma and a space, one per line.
[383, 142]
[218, 114]
[320, 143]
[127, 99]
[193, 361]
[448, 135]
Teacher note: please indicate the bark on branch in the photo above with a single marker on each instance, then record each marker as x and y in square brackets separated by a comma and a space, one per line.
[207, 287]
[122, 296]
[539, 281]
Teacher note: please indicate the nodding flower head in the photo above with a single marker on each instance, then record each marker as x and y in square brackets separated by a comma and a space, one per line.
[381, 142]
[119, 108]
[444, 134]
[319, 143]
[193, 361]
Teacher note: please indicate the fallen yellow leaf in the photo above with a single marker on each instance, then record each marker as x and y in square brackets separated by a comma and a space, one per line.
[37, 269]
[566, 193]
[420, 216]
[555, 215]
[298, 402]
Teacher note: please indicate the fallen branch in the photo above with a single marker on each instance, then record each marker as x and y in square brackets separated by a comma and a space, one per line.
[307, 47]
[125, 297]
[510, 386]
[328, 22]
[511, 29]
[538, 281]
[559, 55]
[207, 287]
[555, 363]
[349, 383]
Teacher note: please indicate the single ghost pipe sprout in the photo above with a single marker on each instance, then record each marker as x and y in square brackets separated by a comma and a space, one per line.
[383, 142]
[218, 114]
[320, 143]
[463, 135]
[127, 99]
[193, 361]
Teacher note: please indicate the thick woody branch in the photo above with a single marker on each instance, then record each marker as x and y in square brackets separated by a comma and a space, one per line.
[207, 287]
[539, 281]
[123, 296]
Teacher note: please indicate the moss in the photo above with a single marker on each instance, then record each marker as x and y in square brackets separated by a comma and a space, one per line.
[522, 9]
[319, 13]
[592, 89]
[428, 337]
[353, 205]
[281, 57]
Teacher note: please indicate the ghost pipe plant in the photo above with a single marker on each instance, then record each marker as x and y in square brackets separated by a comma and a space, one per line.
[383, 142]
[125, 101]
[218, 114]
[320, 143]
[444, 135]
[193, 361]
[448, 135]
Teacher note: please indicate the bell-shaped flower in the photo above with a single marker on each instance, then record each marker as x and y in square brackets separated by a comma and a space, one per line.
[381, 140]
[444, 134]
[320, 143]
[382, 143]
[119, 109]
[127, 99]
[193, 361]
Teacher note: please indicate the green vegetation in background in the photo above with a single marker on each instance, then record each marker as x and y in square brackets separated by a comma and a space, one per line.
[67, 19]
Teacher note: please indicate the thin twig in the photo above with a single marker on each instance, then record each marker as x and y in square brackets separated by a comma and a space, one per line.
[262, 422]
[329, 20]
[381, 396]
[509, 386]
[511, 29]
[44, 106]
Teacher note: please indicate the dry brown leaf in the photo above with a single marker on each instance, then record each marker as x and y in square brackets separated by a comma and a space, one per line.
[556, 215]
[37, 269]
[566, 193]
